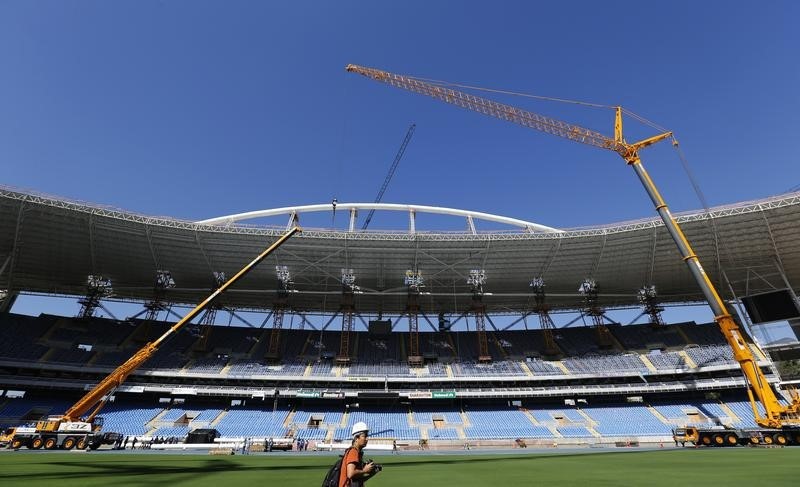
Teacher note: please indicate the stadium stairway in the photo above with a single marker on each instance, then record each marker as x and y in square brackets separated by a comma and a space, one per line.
[759, 354]
[658, 415]
[731, 414]
[309, 368]
[219, 418]
[256, 352]
[47, 355]
[683, 335]
[47, 336]
[524, 367]
[304, 350]
[155, 423]
[616, 344]
[590, 423]
[464, 419]
[499, 346]
[225, 370]
[532, 419]
[561, 366]
[449, 373]
[648, 363]
[687, 360]
[289, 418]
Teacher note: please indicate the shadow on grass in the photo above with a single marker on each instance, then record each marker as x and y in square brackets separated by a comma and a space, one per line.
[126, 469]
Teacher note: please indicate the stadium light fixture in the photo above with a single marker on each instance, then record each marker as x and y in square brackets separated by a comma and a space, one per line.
[588, 286]
[349, 280]
[414, 280]
[164, 280]
[476, 279]
[537, 283]
[99, 285]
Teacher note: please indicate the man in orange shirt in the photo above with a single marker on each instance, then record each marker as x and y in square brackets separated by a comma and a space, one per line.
[354, 471]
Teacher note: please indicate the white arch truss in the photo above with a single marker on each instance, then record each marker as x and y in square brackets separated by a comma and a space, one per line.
[293, 213]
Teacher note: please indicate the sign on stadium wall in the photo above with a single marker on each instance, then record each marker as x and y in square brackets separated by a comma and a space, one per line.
[307, 394]
[419, 395]
[333, 395]
[443, 394]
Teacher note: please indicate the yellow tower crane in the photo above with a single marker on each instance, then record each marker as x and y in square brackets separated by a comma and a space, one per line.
[784, 419]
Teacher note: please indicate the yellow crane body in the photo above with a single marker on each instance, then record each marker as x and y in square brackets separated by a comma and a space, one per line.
[74, 428]
[777, 415]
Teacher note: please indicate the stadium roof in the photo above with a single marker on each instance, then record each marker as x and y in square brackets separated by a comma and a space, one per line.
[51, 245]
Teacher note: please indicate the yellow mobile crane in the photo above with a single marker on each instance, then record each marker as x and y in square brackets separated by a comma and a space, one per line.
[75, 430]
[780, 422]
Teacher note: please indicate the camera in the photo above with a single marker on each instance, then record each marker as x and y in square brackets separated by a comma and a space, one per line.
[376, 467]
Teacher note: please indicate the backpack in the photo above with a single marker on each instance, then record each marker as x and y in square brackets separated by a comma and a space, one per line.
[332, 478]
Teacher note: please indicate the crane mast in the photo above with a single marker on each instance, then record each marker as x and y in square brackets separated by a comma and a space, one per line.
[776, 414]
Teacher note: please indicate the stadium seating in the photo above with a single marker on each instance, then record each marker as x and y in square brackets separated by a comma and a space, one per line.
[235, 356]
[502, 423]
[253, 422]
[625, 420]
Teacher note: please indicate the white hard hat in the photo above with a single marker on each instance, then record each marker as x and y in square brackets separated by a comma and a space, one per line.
[359, 428]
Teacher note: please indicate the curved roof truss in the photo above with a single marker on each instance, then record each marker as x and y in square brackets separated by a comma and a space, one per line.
[293, 212]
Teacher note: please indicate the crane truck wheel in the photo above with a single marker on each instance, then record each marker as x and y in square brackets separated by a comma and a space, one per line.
[731, 439]
[768, 440]
[37, 443]
[779, 439]
[81, 444]
[718, 440]
[69, 443]
[706, 440]
[50, 443]
[16, 443]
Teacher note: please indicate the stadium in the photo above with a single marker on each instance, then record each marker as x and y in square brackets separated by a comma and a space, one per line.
[515, 316]
[438, 340]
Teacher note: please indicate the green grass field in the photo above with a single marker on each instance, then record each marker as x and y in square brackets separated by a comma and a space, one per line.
[669, 467]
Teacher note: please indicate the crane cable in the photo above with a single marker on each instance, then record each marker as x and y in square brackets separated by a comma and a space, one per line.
[684, 163]
[706, 208]
[639, 118]
[506, 92]
[544, 98]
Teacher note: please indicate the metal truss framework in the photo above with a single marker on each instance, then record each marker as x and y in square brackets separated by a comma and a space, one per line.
[756, 242]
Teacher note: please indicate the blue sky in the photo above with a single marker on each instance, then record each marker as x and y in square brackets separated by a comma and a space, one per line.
[195, 109]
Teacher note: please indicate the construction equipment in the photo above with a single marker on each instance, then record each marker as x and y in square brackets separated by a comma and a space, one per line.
[75, 429]
[393, 167]
[781, 421]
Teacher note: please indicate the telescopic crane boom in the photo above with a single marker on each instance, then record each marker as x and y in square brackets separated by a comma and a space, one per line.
[95, 397]
[776, 414]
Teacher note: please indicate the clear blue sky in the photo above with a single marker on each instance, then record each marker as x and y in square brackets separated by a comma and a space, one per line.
[195, 109]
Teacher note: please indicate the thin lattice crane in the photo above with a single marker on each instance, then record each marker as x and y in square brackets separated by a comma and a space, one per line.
[392, 169]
